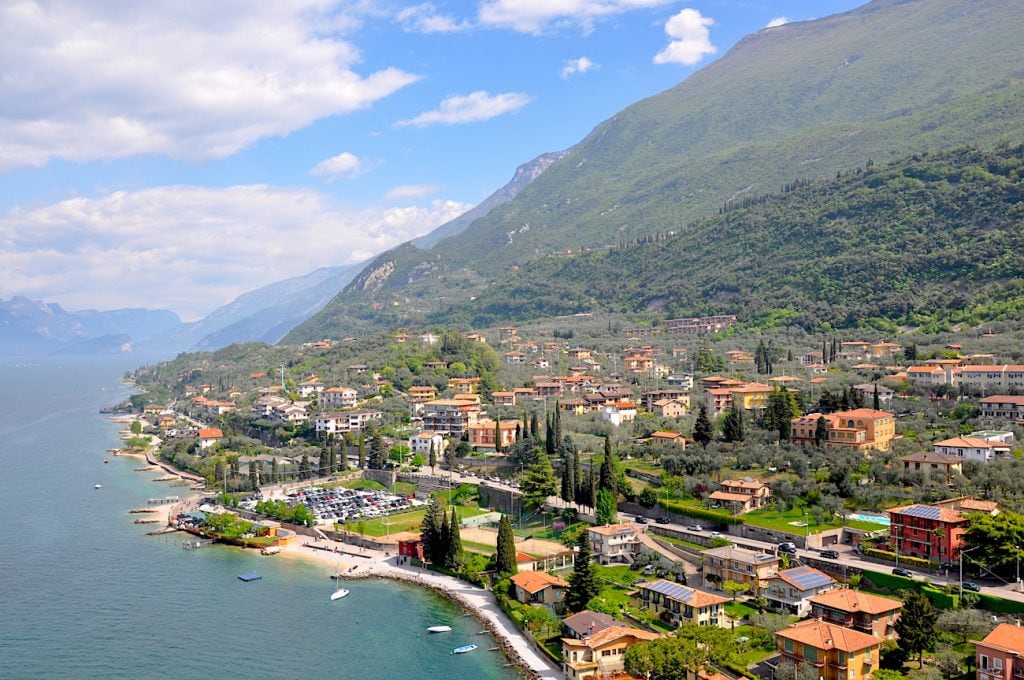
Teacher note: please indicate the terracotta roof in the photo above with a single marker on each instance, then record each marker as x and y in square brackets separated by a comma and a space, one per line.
[848, 600]
[979, 368]
[1005, 637]
[828, 636]
[863, 413]
[731, 497]
[971, 443]
[1004, 399]
[974, 505]
[588, 622]
[609, 635]
[932, 457]
[536, 581]
[679, 593]
[662, 434]
[752, 387]
[744, 483]
[805, 578]
[524, 557]
[210, 433]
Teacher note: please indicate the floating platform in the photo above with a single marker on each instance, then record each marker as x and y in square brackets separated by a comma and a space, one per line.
[249, 577]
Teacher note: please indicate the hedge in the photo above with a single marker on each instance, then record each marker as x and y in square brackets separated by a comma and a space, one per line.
[698, 513]
[893, 583]
[908, 559]
[999, 605]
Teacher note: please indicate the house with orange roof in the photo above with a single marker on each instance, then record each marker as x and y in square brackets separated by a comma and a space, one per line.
[836, 652]
[503, 398]
[539, 587]
[483, 434]
[717, 400]
[515, 357]
[871, 614]
[741, 495]
[670, 408]
[790, 590]
[601, 655]
[1000, 654]
[338, 398]
[453, 416]
[885, 349]
[931, 375]
[615, 543]
[618, 412]
[464, 385]
[972, 448]
[208, 436]
[861, 429]
[732, 563]
[1003, 407]
[989, 379]
[934, 465]
[676, 604]
[665, 437]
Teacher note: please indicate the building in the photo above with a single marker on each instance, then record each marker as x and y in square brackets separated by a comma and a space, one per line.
[934, 532]
[698, 325]
[866, 391]
[730, 563]
[677, 604]
[264, 406]
[586, 623]
[741, 495]
[614, 543]
[675, 394]
[345, 421]
[931, 375]
[751, 396]
[310, 388]
[453, 416]
[867, 613]
[338, 398]
[790, 590]
[515, 357]
[208, 436]
[972, 448]
[618, 412]
[422, 441]
[483, 434]
[717, 400]
[673, 438]
[503, 398]
[861, 429]
[601, 655]
[680, 380]
[464, 385]
[986, 379]
[934, 465]
[1000, 655]
[670, 408]
[538, 587]
[1003, 407]
[836, 652]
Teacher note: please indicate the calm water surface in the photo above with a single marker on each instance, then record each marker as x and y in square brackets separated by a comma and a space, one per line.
[85, 594]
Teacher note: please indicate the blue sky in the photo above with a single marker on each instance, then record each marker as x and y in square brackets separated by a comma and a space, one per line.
[166, 156]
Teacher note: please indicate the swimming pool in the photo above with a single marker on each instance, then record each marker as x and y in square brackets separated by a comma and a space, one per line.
[874, 519]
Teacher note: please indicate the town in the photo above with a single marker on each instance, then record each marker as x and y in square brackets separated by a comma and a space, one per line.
[640, 500]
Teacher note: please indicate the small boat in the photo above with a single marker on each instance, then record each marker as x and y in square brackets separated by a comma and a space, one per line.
[246, 577]
[105, 462]
[464, 649]
[439, 629]
[98, 486]
[340, 592]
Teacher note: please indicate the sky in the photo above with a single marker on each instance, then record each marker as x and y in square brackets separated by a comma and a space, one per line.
[174, 155]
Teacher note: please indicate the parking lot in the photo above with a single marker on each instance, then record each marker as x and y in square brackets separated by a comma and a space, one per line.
[343, 505]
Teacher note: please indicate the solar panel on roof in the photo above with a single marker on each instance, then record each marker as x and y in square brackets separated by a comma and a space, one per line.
[807, 578]
[923, 511]
[673, 590]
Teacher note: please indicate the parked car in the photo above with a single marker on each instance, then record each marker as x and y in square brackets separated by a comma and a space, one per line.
[664, 520]
[787, 547]
[830, 554]
[695, 527]
[640, 519]
[973, 587]
[900, 571]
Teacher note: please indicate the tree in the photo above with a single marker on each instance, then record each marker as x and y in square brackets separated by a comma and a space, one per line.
[430, 532]
[648, 499]
[454, 558]
[965, 622]
[732, 425]
[505, 558]
[583, 584]
[433, 455]
[539, 482]
[556, 425]
[549, 437]
[606, 511]
[821, 431]
[451, 451]
[948, 662]
[497, 435]
[253, 481]
[703, 429]
[735, 588]
[607, 481]
[787, 670]
[136, 427]
[569, 476]
[662, 659]
[874, 399]
[997, 542]
[362, 451]
[916, 625]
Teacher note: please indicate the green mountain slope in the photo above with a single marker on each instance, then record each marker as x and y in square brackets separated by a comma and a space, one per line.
[935, 238]
[804, 100]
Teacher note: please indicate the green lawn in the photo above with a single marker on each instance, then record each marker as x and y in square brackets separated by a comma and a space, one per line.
[749, 652]
[401, 488]
[739, 610]
[678, 541]
[782, 521]
[616, 584]
[404, 521]
[482, 548]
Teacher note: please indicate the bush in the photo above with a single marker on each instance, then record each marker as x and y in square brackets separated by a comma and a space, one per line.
[698, 513]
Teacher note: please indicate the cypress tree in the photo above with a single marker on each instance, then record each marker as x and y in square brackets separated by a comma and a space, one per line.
[431, 532]
[497, 435]
[455, 557]
[252, 474]
[519, 431]
[534, 426]
[505, 558]
[569, 476]
[549, 439]
[444, 541]
[583, 584]
[821, 431]
[703, 429]
[874, 399]
[433, 455]
[732, 426]
[362, 451]
[556, 423]
[607, 481]
[824, 352]
[273, 470]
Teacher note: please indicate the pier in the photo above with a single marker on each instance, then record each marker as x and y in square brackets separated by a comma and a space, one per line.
[196, 543]
[163, 501]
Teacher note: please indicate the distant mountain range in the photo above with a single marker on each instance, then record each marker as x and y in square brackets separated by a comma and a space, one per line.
[801, 101]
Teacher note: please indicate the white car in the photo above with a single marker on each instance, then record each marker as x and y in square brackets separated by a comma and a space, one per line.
[695, 527]
[714, 534]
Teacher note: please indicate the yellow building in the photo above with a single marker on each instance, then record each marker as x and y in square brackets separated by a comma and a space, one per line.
[730, 563]
[677, 604]
[464, 385]
[751, 397]
[837, 653]
[601, 655]
[859, 429]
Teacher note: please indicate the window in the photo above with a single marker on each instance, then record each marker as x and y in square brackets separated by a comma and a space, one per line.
[983, 661]
[852, 674]
[788, 645]
[997, 664]
[810, 653]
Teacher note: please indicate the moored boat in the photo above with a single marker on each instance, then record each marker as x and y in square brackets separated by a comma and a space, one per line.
[439, 629]
[464, 649]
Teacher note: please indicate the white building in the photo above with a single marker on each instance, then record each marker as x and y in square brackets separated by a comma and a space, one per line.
[615, 543]
[339, 397]
[345, 421]
[971, 448]
[618, 412]
[420, 443]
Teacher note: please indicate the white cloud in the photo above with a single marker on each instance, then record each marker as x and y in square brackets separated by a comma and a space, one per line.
[345, 164]
[190, 248]
[574, 66]
[690, 39]
[86, 81]
[534, 16]
[777, 21]
[424, 18]
[408, 191]
[471, 108]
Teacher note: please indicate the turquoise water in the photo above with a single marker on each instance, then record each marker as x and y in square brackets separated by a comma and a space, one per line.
[876, 519]
[86, 594]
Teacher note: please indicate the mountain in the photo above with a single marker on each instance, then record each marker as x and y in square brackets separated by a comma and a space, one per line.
[30, 327]
[801, 101]
[524, 174]
[934, 239]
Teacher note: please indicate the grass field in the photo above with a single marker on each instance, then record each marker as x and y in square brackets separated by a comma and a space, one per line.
[616, 584]
[405, 521]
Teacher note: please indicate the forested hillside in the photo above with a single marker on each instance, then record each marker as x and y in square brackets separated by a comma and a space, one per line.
[932, 238]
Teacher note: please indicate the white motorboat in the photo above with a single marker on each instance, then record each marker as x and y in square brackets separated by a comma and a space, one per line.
[439, 629]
